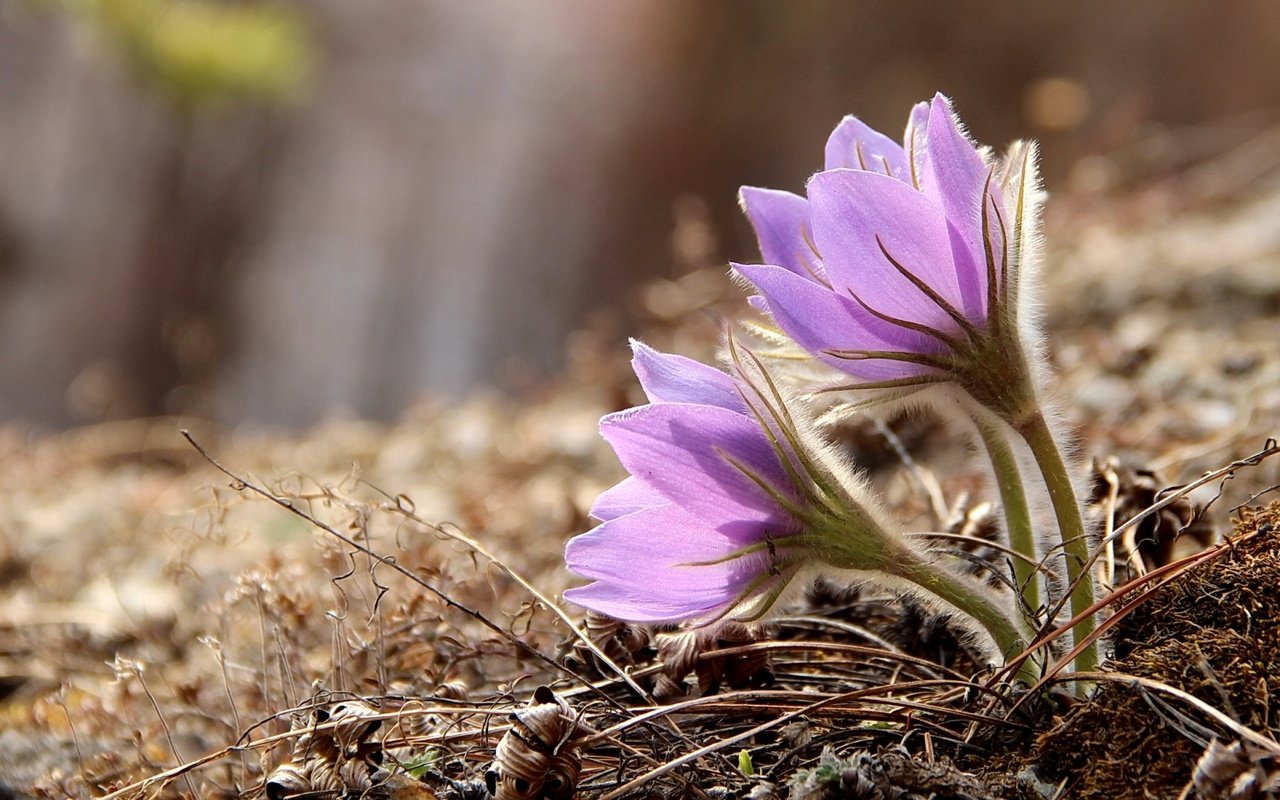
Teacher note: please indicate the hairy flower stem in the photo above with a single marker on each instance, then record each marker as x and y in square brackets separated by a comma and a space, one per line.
[870, 548]
[969, 599]
[1035, 430]
[1017, 514]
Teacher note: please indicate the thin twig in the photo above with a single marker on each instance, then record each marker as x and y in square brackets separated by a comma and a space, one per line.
[269, 741]
[460, 537]
[756, 699]
[240, 483]
[729, 741]
[1168, 573]
[1269, 449]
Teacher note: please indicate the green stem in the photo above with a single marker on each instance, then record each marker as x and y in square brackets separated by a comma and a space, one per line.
[858, 542]
[1035, 430]
[970, 599]
[1017, 514]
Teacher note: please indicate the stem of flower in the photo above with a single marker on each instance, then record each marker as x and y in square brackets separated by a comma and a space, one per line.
[1035, 430]
[1017, 514]
[970, 599]
[858, 542]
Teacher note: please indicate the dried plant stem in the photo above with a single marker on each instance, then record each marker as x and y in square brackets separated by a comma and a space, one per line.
[136, 788]
[1035, 430]
[136, 670]
[1017, 514]
[243, 484]
[547, 602]
[721, 744]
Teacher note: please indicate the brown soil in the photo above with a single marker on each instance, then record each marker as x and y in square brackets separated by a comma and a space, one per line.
[1215, 633]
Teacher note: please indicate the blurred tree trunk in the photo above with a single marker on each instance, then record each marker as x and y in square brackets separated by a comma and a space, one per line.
[204, 204]
[464, 182]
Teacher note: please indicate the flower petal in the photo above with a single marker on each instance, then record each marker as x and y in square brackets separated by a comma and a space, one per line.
[915, 141]
[648, 547]
[856, 213]
[627, 497]
[781, 223]
[954, 178]
[818, 320]
[684, 452]
[668, 378]
[661, 552]
[631, 604]
[854, 145]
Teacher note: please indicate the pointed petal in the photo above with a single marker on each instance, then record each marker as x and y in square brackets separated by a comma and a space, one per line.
[854, 145]
[659, 552]
[954, 178]
[781, 222]
[627, 497]
[854, 213]
[668, 378]
[631, 604]
[684, 451]
[649, 548]
[818, 319]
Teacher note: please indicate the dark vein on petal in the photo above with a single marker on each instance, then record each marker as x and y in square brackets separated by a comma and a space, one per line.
[1004, 261]
[785, 503]
[813, 273]
[752, 588]
[784, 458]
[947, 339]
[816, 490]
[770, 598]
[993, 318]
[751, 549]
[929, 292]
[784, 419]
[892, 355]
[913, 382]
[808, 240]
[819, 490]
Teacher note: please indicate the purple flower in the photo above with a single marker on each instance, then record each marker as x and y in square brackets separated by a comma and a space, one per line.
[731, 498]
[902, 268]
[898, 267]
[703, 525]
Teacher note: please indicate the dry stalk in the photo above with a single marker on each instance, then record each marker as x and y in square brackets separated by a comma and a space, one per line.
[1163, 575]
[451, 532]
[242, 484]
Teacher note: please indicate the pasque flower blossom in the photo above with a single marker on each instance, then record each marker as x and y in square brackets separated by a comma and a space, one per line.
[732, 498]
[899, 267]
[904, 267]
[705, 522]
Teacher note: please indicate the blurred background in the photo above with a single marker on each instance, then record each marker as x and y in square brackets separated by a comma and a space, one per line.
[269, 212]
